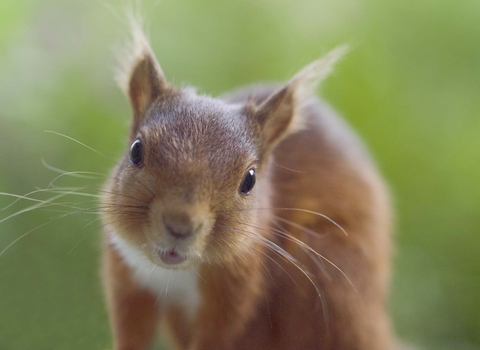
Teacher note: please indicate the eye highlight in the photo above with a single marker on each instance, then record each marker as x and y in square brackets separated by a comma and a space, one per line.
[248, 182]
[136, 153]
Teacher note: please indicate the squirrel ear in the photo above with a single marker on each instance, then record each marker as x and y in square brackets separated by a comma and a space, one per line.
[146, 83]
[141, 77]
[278, 115]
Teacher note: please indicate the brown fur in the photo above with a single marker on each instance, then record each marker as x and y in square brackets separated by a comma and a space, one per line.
[133, 311]
[273, 274]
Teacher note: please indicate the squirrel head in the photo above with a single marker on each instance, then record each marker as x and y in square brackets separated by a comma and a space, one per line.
[185, 190]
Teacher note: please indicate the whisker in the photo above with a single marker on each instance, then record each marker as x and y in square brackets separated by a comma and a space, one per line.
[73, 193]
[286, 257]
[22, 236]
[317, 214]
[81, 240]
[199, 276]
[300, 210]
[78, 174]
[289, 169]
[92, 190]
[315, 259]
[121, 195]
[151, 272]
[71, 173]
[62, 192]
[276, 249]
[66, 191]
[33, 207]
[152, 192]
[32, 230]
[63, 173]
[81, 143]
[19, 197]
[300, 227]
[75, 246]
[306, 246]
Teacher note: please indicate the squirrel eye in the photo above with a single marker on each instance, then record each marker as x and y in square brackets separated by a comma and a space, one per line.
[136, 153]
[248, 182]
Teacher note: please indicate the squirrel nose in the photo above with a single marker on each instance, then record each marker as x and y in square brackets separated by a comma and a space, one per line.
[179, 226]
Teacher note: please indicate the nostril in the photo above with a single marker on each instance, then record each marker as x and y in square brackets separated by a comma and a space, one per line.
[178, 231]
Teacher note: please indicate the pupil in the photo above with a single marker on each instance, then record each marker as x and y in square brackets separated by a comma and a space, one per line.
[136, 154]
[248, 182]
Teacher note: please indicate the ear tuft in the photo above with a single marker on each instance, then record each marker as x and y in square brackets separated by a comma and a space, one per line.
[134, 50]
[307, 80]
[139, 75]
[278, 116]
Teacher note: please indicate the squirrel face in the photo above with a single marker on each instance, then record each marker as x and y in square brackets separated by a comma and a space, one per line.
[183, 192]
[185, 186]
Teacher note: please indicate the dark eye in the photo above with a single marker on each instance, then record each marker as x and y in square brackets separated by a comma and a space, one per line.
[248, 182]
[136, 153]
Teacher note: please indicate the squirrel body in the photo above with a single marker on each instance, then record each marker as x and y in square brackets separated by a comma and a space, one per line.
[253, 221]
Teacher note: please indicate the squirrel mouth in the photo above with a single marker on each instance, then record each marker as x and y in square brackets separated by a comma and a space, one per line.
[171, 257]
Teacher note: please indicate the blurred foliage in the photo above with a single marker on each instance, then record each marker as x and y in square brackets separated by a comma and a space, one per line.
[410, 86]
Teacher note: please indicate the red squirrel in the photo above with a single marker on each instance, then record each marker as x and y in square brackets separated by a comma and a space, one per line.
[256, 220]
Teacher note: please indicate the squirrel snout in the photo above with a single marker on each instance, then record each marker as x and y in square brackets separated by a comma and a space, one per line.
[180, 226]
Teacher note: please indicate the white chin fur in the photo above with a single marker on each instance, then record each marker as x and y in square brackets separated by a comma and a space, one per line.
[171, 286]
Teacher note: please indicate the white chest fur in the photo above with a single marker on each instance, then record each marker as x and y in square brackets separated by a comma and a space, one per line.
[171, 286]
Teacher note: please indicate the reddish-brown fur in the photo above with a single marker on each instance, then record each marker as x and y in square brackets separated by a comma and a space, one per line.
[317, 288]
[133, 311]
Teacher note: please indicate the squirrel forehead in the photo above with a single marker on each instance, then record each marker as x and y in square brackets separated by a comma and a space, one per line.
[197, 115]
[197, 129]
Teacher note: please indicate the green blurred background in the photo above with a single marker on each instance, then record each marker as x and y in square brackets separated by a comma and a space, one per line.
[410, 87]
